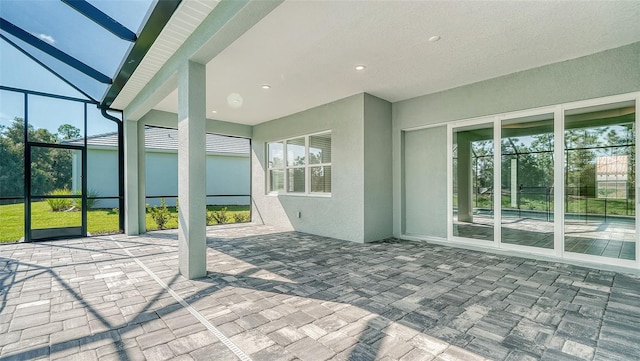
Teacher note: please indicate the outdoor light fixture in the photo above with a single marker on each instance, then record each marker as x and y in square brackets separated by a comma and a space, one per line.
[234, 100]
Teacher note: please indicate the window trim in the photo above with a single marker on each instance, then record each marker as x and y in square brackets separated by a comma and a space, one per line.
[285, 167]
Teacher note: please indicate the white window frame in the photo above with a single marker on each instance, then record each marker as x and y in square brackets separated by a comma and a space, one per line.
[559, 111]
[307, 167]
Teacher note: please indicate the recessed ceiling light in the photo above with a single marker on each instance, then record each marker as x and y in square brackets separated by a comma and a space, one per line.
[360, 67]
[214, 111]
[266, 86]
[434, 38]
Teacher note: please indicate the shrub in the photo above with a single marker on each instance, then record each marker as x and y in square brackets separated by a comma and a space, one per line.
[242, 217]
[91, 203]
[217, 217]
[161, 215]
[60, 204]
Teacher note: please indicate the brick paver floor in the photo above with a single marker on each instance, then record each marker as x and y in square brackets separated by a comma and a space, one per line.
[278, 295]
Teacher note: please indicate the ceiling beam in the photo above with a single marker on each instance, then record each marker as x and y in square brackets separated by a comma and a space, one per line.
[53, 51]
[26, 53]
[102, 19]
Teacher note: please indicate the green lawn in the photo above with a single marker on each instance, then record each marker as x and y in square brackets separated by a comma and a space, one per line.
[99, 221]
[573, 204]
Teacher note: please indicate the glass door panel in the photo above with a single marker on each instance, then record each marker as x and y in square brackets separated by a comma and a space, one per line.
[527, 181]
[600, 182]
[473, 182]
[56, 192]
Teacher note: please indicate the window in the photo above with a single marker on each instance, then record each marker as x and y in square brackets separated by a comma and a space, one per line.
[300, 165]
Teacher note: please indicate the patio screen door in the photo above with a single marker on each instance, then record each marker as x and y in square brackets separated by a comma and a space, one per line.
[55, 210]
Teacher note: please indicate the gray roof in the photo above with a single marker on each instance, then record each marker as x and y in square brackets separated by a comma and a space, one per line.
[167, 139]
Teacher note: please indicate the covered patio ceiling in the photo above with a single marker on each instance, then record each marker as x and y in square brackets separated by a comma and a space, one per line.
[306, 51]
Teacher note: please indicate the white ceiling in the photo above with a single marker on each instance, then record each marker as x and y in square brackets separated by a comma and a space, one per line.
[307, 50]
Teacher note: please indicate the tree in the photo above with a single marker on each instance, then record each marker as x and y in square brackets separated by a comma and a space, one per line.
[68, 131]
[12, 155]
[580, 152]
[50, 167]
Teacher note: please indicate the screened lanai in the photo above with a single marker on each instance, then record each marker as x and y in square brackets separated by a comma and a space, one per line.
[62, 65]
[60, 61]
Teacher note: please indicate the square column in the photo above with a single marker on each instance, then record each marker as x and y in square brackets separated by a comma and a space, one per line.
[131, 205]
[192, 241]
[142, 179]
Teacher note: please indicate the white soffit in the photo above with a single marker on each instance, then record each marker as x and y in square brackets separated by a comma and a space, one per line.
[307, 50]
[189, 15]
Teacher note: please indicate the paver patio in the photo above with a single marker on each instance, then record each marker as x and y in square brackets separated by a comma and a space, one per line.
[614, 237]
[278, 295]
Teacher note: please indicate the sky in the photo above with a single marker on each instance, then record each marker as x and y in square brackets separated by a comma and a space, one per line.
[69, 31]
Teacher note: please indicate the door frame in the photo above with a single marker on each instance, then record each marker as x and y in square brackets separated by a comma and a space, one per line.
[56, 232]
[559, 114]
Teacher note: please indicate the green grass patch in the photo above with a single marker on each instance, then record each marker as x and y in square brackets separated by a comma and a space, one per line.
[12, 221]
[99, 221]
[595, 206]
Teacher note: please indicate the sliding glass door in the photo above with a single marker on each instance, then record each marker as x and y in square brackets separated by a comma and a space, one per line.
[600, 184]
[561, 181]
[527, 181]
[473, 182]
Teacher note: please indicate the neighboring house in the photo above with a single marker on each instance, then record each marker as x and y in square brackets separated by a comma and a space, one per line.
[612, 176]
[228, 168]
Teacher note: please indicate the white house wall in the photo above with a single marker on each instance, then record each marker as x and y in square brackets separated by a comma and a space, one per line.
[359, 208]
[425, 175]
[229, 175]
[161, 175]
[378, 195]
[226, 174]
[102, 176]
[341, 215]
[612, 72]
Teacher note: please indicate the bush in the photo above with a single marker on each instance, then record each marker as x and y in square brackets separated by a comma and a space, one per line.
[242, 217]
[217, 217]
[161, 215]
[60, 204]
[91, 203]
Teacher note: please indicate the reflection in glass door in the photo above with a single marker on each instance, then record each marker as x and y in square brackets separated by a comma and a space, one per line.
[600, 181]
[473, 182]
[55, 198]
[527, 181]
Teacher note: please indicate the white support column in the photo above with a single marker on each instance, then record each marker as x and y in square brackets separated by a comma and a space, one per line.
[142, 189]
[192, 170]
[131, 205]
